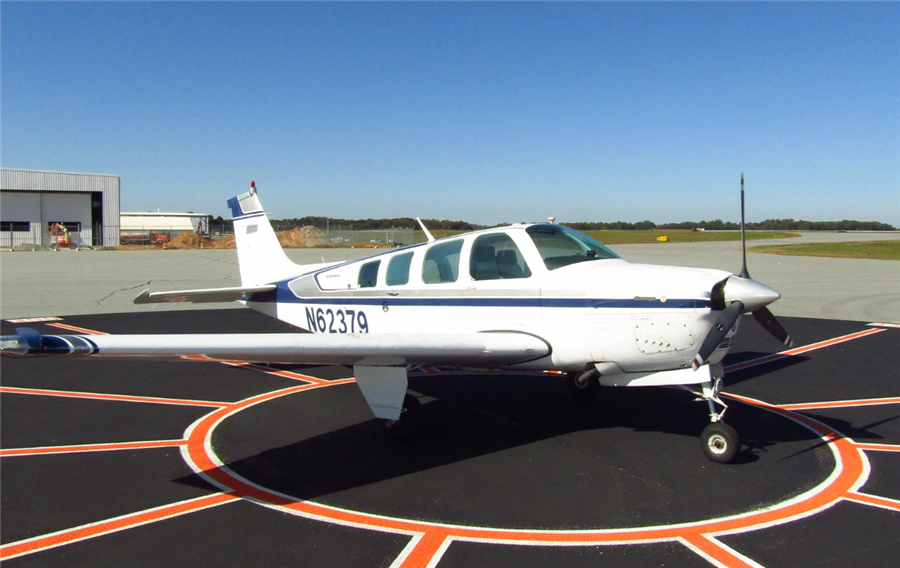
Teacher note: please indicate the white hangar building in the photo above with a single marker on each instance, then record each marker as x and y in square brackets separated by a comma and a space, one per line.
[32, 201]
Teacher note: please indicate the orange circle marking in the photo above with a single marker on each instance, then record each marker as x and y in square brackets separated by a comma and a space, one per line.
[849, 473]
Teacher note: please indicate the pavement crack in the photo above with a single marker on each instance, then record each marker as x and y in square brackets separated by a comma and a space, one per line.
[114, 292]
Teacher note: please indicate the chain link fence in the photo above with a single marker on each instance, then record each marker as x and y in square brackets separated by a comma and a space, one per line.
[31, 236]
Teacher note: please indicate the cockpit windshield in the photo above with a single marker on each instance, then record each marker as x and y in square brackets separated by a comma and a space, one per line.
[561, 246]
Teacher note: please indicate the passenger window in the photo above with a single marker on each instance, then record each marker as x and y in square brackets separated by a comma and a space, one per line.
[442, 263]
[495, 257]
[398, 269]
[368, 274]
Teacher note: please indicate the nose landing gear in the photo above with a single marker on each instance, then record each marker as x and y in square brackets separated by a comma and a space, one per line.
[719, 441]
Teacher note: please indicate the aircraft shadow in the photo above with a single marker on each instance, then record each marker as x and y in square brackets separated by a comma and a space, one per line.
[485, 427]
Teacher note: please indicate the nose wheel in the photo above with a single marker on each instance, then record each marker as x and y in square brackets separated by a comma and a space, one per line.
[719, 441]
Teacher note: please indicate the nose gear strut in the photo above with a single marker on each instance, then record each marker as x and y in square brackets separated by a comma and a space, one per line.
[719, 441]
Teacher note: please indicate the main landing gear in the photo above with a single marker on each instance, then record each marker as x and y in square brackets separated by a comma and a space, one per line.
[719, 441]
[406, 428]
[586, 385]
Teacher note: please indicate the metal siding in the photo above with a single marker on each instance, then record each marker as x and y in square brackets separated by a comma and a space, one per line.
[108, 185]
[32, 180]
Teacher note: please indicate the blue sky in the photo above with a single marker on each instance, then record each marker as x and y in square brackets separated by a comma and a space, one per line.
[488, 112]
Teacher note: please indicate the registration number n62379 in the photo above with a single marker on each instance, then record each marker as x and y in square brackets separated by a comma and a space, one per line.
[330, 320]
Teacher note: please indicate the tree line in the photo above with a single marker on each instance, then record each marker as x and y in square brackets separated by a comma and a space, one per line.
[374, 224]
[719, 225]
[714, 225]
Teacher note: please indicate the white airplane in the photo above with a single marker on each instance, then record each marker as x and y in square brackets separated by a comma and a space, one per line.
[522, 297]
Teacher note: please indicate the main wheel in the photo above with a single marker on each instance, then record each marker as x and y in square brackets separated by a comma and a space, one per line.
[406, 428]
[586, 391]
[720, 442]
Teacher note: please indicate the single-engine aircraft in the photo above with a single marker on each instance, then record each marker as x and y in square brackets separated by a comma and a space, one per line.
[521, 297]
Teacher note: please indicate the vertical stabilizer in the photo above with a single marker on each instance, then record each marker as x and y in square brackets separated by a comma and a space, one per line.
[260, 257]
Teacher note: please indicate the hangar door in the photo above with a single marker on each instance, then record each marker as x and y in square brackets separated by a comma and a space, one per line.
[28, 215]
[71, 209]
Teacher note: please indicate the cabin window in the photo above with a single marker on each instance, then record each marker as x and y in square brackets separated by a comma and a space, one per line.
[561, 246]
[495, 257]
[442, 263]
[398, 269]
[368, 274]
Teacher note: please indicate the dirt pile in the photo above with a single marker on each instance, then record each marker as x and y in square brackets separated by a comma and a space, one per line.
[298, 237]
[189, 240]
[302, 237]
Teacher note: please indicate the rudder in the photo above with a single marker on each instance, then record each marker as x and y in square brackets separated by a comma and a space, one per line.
[261, 259]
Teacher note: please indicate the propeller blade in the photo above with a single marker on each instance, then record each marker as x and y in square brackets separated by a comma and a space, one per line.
[724, 322]
[768, 321]
[717, 296]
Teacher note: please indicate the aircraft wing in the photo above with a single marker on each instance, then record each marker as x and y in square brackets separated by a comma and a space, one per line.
[488, 349]
[201, 296]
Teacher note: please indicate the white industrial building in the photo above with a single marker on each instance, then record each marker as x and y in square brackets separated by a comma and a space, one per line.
[144, 227]
[32, 201]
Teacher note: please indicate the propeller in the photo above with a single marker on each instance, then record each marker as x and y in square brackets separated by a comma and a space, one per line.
[745, 295]
[723, 323]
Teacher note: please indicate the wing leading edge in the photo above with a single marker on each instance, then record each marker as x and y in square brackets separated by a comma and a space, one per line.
[488, 350]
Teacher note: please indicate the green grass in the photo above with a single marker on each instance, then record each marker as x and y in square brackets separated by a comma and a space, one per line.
[878, 250]
[682, 236]
[612, 237]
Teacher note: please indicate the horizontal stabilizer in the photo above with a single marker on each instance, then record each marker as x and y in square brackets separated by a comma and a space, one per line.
[201, 296]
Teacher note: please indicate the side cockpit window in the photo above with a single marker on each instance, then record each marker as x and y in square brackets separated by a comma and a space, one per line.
[441, 263]
[496, 257]
[398, 269]
[368, 274]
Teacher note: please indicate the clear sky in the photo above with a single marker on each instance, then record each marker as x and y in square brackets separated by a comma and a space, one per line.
[488, 112]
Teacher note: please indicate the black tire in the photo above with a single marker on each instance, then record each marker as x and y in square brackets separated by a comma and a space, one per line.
[54, 246]
[73, 246]
[406, 429]
[720, 442]
[588, 391]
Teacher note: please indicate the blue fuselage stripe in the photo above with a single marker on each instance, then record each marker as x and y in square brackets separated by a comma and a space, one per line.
[286, 296]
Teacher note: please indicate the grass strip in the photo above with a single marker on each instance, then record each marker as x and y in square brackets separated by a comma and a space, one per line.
[876, 250]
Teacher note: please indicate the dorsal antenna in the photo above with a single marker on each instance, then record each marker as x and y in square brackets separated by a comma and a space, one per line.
[424, 228]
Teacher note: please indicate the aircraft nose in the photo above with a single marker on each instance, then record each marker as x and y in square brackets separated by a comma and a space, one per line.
[749, 292]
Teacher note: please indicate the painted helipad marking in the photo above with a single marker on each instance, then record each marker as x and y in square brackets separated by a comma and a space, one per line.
[879, 447]
[78, 329]
[116, 397]
[82, 448]
[108, 526]
[265, 369]
[841, 403]
[801, 350]
[874, 500]
[429, 541]
[882, 324]
[35, 320]
[851, 467]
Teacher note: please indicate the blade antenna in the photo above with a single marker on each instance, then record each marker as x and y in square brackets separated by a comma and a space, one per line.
[744, 273]
[424, 228]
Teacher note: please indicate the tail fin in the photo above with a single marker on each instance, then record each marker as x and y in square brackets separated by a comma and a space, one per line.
[260, 257]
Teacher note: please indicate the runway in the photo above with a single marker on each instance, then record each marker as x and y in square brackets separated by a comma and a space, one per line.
[114, 462]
